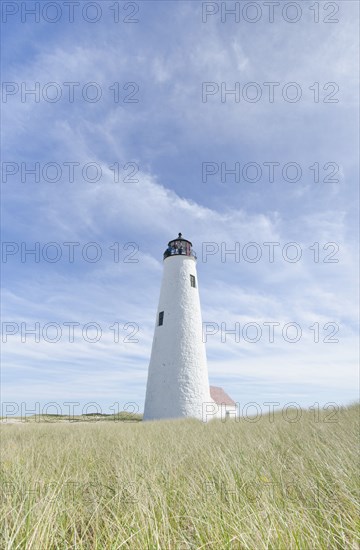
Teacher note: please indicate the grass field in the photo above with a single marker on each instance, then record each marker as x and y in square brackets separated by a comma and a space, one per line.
[182, 484]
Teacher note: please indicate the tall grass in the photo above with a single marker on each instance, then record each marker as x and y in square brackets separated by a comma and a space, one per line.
[181, 484]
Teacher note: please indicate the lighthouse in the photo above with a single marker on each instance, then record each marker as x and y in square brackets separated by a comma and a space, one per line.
[178, 384]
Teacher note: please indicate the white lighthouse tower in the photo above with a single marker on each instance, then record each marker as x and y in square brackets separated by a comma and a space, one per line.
[178, 384]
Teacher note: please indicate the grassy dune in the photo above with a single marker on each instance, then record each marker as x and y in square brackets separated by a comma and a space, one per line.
[181, 484]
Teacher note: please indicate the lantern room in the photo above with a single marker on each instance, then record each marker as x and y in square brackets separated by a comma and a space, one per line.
[179, 246]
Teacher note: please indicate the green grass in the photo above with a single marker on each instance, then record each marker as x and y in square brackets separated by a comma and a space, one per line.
[180, 485]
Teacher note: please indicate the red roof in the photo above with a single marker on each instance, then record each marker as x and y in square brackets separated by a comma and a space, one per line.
[220, 397]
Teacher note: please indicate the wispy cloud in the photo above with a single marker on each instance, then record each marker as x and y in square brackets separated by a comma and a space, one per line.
[168, 134]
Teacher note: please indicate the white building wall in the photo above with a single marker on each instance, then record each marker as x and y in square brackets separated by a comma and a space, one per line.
[178, 383]
[213, 410]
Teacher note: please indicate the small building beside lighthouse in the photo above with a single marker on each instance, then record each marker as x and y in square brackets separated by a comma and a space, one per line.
[178, 383]
[224, 406]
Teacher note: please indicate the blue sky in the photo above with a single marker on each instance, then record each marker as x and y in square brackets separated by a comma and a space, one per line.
[168, 134]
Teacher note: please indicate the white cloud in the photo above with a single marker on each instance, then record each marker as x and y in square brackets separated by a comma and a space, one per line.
[171, 122]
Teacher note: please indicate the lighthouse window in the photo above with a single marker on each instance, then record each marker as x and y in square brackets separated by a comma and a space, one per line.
[161, 318]
[193, 281]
